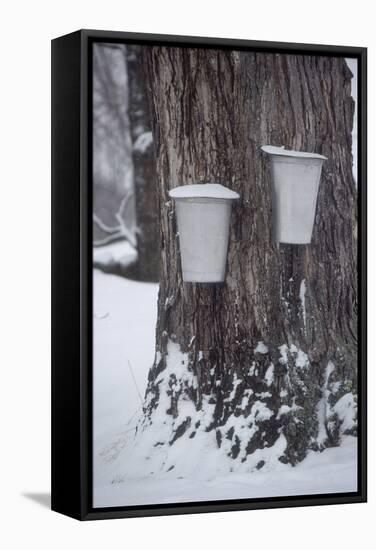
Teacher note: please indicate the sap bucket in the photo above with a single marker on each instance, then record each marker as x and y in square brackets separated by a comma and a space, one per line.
[296, 177]
[203, 216]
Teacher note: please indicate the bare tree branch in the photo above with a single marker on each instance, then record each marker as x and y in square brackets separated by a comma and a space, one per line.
[119, 231]
[109, 239]
[104, 227]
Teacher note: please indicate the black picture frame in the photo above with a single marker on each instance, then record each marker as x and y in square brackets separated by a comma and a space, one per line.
[72, 282]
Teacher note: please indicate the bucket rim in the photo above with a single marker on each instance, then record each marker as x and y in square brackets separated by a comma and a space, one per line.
[203, 191]
[282, 152]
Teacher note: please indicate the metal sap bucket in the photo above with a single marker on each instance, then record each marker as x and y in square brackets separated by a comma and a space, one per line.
[203, 215]
[296, 178]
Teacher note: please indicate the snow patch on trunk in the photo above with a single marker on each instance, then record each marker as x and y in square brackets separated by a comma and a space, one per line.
[261, 348]
[269, 375]
[323, 407]
[302, 293]
[340, 418]
[353, 66]
[347, 409]
[286, 409]
[300, 358]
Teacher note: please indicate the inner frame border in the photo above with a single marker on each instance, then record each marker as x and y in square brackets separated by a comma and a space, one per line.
[88, 512]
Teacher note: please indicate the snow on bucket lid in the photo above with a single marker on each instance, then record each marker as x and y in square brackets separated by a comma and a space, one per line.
[203, 190]
[281, 151]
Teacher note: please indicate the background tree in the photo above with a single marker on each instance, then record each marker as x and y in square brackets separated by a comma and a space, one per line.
[143, 169]
[265, 364]
[124, 165]
[114, 212]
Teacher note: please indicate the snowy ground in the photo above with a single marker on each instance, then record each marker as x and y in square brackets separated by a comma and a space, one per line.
[124, 325]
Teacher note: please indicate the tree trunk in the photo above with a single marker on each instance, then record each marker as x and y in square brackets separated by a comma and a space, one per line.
[143, 169]
[263, 366]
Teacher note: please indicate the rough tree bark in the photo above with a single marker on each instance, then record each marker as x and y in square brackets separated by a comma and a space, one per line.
[144, 170]
[268, 359]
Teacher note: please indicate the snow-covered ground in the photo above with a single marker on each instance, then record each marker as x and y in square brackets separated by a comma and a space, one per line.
[124, 326]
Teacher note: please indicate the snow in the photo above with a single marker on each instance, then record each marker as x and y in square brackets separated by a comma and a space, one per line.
[120, 252]
[283, 351]
[124, 324]
[301, 358]
[286, 409]
[242, 430]
[269, 375]
[143, 142]
[302, 293]
[282, 152]
[130, 470]
[333, 470]
[346, 408]
[203, 190]
[261, 348]
[236, 383]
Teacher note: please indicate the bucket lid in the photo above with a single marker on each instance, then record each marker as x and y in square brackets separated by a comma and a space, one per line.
[281, 151]
[203, 190]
